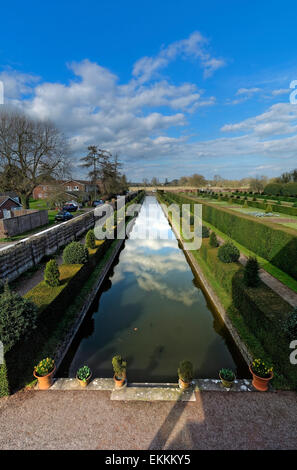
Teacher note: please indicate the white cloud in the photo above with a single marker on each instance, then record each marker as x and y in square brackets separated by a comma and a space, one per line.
[279, 119]
[195, 46]
[247, 91]
[17, 84]
[280, 91]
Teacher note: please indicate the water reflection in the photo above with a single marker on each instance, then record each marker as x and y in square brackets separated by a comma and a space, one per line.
[153, 312]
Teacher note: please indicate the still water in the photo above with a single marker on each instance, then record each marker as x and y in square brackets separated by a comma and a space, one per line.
[153, 312]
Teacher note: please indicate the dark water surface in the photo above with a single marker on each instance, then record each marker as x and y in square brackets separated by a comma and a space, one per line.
[153, 312]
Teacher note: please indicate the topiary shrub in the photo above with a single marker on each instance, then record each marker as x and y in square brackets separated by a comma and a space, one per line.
[213, 241]
[75, 253]
[52, 273]
[205, 232]
[17, 317]
[119, 366]
[228, 253]
[251, 272]
[245, 204]
[290, 325]
[185, 371]
[268, 208]
[91, 240]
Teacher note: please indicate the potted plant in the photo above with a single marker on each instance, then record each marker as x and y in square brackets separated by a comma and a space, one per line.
[227, 377]
[185, 374]
[262, 374]
[119, 368]
[44, 372]
[84, 375]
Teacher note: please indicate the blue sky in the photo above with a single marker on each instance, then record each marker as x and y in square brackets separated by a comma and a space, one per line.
[173, 87]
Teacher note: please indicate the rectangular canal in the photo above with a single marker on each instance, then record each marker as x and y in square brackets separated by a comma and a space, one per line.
[153, 312]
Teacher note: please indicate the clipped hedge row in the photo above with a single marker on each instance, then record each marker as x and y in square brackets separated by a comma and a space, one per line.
[264, 312]
[223, 272]
[276, 244]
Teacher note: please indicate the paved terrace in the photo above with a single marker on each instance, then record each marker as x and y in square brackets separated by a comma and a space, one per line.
[90, 420]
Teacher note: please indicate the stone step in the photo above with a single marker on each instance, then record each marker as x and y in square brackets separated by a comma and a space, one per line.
[153, 394]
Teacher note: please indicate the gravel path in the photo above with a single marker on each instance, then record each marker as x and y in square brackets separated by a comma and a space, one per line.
[89, 420]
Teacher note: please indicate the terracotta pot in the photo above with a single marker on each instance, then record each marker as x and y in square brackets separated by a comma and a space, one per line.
[84, 383]
[226, 383]
[183, 385]
[45, 382]
[119, 383]
[259, 383]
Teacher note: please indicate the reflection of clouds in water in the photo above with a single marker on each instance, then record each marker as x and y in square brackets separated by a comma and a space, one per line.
[149, 274]
[151, 224]
[142, 245]
[150, 282]
[150, 260]
[158, 264]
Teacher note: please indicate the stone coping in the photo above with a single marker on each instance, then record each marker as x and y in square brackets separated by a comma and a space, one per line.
[152, 391]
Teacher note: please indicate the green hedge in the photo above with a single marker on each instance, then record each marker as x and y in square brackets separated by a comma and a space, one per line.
[223, 272]
[262, 310]
[276, 244]
[265, 312]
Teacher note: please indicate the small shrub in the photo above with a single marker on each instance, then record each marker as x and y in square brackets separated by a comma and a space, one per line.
[213, 241]
[227, 374]
[205, 231]
[44, 367]
[228, 253]
[91, 240]
[83, 373]
[17, 317]
[75, 253]
[268, 208]
[245, 204]
[290, 325]
[251, 272]
[52, 273]
[185, 371]
[119, 366]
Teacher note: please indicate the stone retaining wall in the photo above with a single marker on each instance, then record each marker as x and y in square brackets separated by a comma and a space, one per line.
[18, 258]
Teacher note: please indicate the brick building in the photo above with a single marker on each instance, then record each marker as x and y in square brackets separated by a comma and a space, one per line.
[7, 204]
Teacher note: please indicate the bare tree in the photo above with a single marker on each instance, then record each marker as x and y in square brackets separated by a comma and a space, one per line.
[31, 152]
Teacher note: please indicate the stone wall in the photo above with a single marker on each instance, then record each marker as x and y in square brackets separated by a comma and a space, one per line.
[22, 221]
[19, 257]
